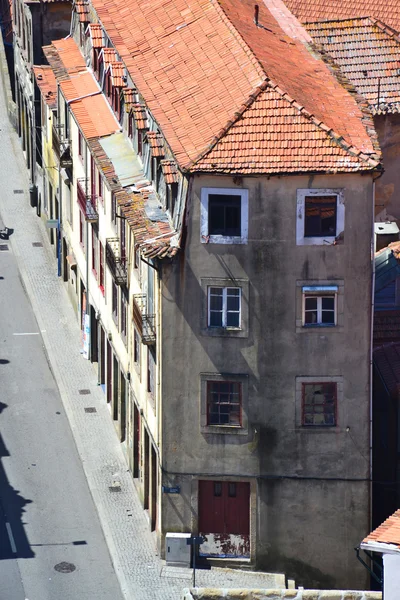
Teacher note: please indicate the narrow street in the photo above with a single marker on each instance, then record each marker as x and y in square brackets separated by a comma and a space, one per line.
[52, 545]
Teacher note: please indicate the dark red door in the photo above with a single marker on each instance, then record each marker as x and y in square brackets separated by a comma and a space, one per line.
[224, 507]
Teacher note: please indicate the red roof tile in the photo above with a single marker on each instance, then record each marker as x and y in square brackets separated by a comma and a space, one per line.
[170, 171]
[82, 10]
[139, 112]
[117, 73]
[47, 84]
[368, 53]
[64, 57]
[95, 32]
[88, 105]
[387, 533]
[129, 98]
[154, 237]
[387, 11]
[92, 113]
[273, 136]
[156, 143]
[196, 65]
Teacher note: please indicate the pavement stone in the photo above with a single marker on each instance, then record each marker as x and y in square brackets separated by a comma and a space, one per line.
[140, 571]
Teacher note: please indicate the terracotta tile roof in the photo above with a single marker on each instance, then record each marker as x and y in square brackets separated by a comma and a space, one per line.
[108, 56]
[368, 53]
[117, 73]
[82, 10]
[129, 98]
[387, 533]
[104, 164]
[139, 112]
[152, 231]
[387, 11]
[47, 84]
[96, 35]
[170, 171]
[274, 136]
[64, 57]
[156, 143]
[197, 64]
[92, 113]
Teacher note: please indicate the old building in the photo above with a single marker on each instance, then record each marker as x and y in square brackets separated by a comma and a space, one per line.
[35, 24]
[368, 54]
[216, 198]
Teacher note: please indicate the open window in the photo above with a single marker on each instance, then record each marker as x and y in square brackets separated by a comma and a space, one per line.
[224, 216]
[320, 216]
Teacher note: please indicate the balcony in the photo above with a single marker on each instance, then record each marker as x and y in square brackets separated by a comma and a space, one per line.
[145, 322]
[115, 263]
[88, 205]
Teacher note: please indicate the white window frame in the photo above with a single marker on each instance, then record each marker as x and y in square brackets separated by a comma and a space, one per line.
[301, 240]
[224, 307]
[319, 291]
[205, 238]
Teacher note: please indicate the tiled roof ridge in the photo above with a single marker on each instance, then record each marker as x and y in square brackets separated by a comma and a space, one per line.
[377, 22]
[381, 534]
[362, 103]
[372, 160]
[256, 63]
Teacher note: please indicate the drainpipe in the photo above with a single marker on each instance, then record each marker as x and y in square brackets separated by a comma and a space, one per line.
[371, 350]
[87, 246]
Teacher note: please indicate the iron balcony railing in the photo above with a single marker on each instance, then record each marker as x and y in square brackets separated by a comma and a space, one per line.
[145, 321]
[115, 263]
[88, 205]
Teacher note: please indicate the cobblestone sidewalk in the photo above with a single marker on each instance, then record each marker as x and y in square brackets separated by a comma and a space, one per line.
[141, 573]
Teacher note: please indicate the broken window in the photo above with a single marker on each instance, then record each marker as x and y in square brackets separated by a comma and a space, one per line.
[319, 404]
[320, 216]
[224, 399]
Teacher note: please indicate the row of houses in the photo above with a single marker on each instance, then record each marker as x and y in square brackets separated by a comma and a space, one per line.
[210, 173]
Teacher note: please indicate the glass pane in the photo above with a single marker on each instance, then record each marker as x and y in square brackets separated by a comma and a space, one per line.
[328, 317]
[233, 302]
[310, 317]
[215, 302]
[216, 319]
[311, 302]
[216, 220]
[217, 489]
[232, 490]
[232, 319]
[328, 303]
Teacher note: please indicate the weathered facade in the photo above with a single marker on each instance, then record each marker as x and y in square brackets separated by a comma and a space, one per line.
[216, 240]
[34, 24]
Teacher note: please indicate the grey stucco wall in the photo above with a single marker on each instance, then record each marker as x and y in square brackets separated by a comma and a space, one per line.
[300, 525]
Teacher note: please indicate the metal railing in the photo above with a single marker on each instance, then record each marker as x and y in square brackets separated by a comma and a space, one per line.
[115, 263]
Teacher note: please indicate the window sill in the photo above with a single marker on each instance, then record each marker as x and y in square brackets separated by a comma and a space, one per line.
[229, 332]
[319, 325]
[224, 429]
[320, 429]
[223, 239]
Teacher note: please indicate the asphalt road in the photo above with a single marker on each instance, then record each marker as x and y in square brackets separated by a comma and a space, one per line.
[51, 543]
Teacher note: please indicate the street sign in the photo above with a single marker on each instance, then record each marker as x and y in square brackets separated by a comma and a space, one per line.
[171, 490]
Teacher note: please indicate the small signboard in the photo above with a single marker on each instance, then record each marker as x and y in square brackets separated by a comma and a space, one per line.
[52, 224]
[171, 490]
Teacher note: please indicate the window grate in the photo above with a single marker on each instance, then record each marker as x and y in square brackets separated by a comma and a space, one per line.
[4, 247]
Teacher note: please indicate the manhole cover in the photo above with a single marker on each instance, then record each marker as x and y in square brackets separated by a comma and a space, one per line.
[37, 244]
[18, 191]
[84, 392]
[90, 409]
[65, 567]
[3, 247]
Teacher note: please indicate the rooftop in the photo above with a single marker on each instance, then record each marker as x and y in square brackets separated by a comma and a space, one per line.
[47, 84]
[368, 53]
[387, 533]
[185, 58]
[308, 11]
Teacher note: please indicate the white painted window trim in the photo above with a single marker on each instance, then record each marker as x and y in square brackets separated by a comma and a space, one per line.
[301, 240]
[244, 217]
[224, 307]
[319, 292]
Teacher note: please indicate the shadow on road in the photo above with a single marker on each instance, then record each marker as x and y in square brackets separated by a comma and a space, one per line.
[13, 540]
